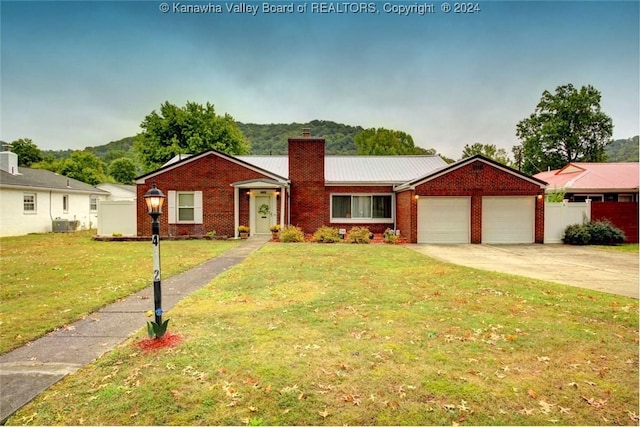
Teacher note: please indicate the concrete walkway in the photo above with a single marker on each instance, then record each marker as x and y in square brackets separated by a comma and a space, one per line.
[581, 266]
[31, 369]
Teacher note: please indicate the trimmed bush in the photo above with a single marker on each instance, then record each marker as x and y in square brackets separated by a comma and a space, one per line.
[359, 235]
[593, 233]
[291, 234]
[389, 237]
[326, 234]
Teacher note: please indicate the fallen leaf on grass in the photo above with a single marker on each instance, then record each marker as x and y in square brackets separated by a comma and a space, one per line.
[355, 399]
[324, 413]
[545, 407]
[596, 403]
[532, 394]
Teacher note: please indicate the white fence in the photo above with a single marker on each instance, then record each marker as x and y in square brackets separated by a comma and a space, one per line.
[117, 217]
[557, 216]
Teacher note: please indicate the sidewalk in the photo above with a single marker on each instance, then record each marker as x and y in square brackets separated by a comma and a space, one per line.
[29, 370]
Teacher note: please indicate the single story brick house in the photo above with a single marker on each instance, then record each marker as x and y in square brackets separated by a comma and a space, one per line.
[474, 200]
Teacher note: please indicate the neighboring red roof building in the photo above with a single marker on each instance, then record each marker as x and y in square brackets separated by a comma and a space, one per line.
[612, 187]
[615, 182]
[475, 200]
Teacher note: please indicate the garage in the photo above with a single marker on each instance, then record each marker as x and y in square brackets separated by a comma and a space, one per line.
[508, 219]
[444, 219]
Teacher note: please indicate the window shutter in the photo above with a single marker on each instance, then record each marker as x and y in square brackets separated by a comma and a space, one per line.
[171, 206]
[197, 207]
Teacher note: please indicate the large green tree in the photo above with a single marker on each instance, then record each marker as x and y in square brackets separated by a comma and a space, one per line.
[386, 142]
[83, 166]
[27, 151]
[193, 128]
[566, 126]
[488, 150]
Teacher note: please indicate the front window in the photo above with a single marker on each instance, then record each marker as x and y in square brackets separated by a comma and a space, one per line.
[29, 203]
[93, 203]
[65, 203]
[186, 207]
[358, 207]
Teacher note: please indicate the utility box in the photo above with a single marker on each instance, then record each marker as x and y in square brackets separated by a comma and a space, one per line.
[64, 225]
[60, 226]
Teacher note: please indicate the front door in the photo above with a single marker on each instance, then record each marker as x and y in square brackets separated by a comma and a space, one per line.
[263, 214]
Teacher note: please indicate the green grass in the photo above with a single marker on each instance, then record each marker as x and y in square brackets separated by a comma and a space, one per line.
[50, 280]
[304, 334]
[629, 247]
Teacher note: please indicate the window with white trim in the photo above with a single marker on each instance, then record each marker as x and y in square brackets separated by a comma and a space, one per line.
[93, 203]
[29, 203]
[65, 203]
[186, 207]
[362, 208]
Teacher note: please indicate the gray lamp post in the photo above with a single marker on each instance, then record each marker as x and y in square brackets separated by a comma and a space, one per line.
[155, 199]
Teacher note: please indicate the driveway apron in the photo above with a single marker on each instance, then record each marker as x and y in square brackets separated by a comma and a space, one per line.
[596, 269]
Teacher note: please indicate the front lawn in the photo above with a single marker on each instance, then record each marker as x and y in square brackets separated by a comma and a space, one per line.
[50, 280]
[310, 334]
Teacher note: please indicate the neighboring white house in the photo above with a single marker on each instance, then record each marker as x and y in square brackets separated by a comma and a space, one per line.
[119, 191]
[41, 201]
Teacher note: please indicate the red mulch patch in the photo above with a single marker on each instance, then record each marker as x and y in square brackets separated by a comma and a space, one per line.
[152, 344]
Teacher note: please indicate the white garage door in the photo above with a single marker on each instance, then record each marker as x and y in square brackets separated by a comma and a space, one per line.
[508, 219]
[444, 219]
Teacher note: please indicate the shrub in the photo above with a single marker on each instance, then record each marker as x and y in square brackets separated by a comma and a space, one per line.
[556, 195]
[359, 235]
[593, 233]
[576, 234]
[389, 237]
[605, 233]
[326, 234]
[291, 234]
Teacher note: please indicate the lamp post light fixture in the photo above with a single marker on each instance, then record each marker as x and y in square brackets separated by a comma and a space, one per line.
[154, 198]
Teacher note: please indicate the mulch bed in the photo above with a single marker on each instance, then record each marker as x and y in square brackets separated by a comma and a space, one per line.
[168, 340]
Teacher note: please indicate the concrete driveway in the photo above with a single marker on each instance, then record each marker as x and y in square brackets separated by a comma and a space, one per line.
[601, 270]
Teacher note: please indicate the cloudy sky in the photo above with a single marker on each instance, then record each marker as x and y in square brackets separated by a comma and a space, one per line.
[77, 74]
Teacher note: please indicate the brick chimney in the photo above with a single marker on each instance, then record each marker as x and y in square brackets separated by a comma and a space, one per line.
[306, 172]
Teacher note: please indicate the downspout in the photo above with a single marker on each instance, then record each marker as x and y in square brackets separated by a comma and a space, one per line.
[50, 214]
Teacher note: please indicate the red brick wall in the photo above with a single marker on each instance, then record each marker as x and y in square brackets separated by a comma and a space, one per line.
[622, 215]
[306, 173]
[478, 179]
[407, 215]
[210, 174]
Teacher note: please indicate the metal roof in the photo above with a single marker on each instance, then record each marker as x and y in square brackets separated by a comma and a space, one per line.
[581, 176]
[41, 178]
[359, 169]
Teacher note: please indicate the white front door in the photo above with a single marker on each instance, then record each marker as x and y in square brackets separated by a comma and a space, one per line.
[262, 214]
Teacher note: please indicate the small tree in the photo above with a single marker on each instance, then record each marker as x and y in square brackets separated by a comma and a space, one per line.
[123, 170]
[28, 152]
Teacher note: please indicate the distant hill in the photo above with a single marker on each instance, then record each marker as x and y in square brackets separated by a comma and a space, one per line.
[623, 150]
[272, 138]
